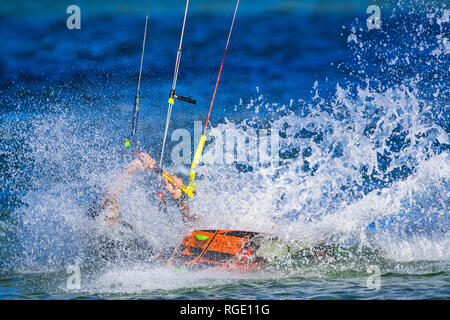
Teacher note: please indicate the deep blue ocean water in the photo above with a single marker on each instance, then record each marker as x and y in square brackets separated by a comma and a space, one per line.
[362, 117]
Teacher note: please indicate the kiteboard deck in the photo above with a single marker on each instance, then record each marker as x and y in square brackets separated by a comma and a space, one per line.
[217, 248]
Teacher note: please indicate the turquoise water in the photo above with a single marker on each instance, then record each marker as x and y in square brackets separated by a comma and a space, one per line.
[362, 117]
[394, 287]
[150, 283]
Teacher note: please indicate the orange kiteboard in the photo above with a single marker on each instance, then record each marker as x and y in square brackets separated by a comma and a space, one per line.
[218, 249]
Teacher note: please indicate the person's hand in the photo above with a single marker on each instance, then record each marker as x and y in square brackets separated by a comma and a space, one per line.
[174, 188]
[144, 162]
[136, 164]
[148, 163]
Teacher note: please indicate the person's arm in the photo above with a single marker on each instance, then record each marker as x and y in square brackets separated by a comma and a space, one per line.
[180, 199]
[109, 201]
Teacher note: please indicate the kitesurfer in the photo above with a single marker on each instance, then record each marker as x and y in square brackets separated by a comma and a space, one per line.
[108, 204]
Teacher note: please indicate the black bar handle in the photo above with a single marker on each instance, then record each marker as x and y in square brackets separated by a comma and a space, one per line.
[185, 99]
